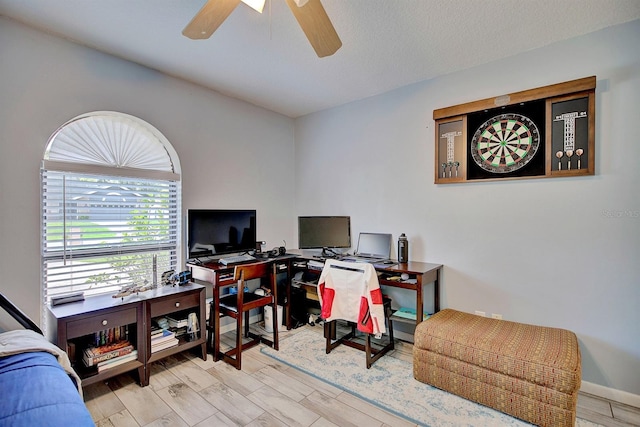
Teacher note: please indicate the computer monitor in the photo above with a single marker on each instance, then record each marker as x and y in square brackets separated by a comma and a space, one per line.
[324, 232]
[220, 231]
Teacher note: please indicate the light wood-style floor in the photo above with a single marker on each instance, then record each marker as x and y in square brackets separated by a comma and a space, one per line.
[186, 391]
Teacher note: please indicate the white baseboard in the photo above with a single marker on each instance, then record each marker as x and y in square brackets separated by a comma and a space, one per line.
[611, 394]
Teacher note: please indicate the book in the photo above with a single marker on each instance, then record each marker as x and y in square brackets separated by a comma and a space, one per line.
[163, 336]
[164, 345]
[94, 360]
[177, 323]
[409, 313]
[111, 336]
[112, 363]
[94, 355]
[179, 331]
[130, 356]
[99, 350]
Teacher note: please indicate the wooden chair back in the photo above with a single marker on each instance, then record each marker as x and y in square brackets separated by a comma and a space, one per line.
[252, 271]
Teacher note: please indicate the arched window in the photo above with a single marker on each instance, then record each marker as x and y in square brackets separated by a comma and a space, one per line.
[110, 205]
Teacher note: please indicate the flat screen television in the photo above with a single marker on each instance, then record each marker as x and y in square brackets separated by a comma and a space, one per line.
[220, 231]
[324, 232]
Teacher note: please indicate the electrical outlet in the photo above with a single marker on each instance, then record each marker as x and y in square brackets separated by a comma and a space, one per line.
[496, 316]
[480, 313]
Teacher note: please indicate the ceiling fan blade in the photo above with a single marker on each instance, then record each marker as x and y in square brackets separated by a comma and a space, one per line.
[209, 18]
[316, 26]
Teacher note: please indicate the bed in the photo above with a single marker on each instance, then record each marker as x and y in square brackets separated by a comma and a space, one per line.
[37, 383]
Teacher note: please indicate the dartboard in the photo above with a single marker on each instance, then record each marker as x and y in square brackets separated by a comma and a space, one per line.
[505, 143]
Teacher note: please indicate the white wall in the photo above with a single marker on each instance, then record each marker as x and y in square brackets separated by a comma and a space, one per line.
[233, 154]
[560, 252]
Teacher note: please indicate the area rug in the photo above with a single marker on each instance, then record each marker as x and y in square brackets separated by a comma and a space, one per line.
[389, 384]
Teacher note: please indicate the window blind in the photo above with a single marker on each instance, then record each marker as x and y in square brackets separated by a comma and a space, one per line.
[102, 232]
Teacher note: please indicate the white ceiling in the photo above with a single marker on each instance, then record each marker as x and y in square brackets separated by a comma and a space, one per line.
[265, 59]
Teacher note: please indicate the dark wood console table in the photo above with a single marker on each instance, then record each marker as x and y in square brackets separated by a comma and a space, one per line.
[77, 322]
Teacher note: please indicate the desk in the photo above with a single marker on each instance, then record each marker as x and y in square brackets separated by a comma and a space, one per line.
[422, 272]
[220, 276]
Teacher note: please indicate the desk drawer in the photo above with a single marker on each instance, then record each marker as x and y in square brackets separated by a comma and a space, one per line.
[202, 273]
[99, 322]
[174, 303]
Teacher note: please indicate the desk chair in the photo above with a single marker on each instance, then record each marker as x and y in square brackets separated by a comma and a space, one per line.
[351, 292]
[238, 306]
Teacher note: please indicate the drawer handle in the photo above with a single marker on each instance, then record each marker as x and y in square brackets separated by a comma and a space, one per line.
[104, 323]
[177, 304]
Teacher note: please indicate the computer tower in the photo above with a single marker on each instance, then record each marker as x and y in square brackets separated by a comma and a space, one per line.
[299, 309]
[299, 303]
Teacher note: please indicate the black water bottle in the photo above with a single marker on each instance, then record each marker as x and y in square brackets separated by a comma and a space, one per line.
[403, 249]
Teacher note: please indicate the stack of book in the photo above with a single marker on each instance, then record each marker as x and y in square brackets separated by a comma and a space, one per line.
[112, 363]
[109, 356]
[162, 339]
[177, 323]
[177, 326]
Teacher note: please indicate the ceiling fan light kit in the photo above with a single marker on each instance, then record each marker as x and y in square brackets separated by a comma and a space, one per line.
[310, 14]
[257, 5]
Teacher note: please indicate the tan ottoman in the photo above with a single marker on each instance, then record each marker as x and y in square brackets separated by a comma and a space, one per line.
[530, 372]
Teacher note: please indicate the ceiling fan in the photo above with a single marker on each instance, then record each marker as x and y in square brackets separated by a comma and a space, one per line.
[310, 15]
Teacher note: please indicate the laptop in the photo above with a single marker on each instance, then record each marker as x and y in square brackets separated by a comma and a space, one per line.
[372, 247]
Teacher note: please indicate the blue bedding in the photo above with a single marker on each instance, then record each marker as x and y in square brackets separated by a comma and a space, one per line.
[36, 391]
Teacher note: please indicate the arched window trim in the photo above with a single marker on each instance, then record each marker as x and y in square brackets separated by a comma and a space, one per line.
[102, 170]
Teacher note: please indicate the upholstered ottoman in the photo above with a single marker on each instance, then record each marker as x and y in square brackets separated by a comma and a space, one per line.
[530, 372]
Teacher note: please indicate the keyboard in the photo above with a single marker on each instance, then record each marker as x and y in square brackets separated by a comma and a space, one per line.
[236, 259]
[370, 260]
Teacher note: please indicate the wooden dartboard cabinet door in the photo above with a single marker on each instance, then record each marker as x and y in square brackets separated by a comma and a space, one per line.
[538, 133]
